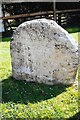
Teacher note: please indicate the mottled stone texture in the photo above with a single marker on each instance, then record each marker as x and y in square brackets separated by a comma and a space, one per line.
[44, 52]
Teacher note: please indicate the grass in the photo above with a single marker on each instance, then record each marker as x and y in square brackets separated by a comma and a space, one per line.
[76, 36]
[33, 101]
[73, 29]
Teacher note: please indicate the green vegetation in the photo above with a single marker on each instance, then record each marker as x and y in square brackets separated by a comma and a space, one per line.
[73, 29]
[32, 101]
[76, 36]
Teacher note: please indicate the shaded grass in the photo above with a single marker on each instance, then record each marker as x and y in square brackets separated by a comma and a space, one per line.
[33, 101]
[6, 39]
[24, 92]
[73, 29]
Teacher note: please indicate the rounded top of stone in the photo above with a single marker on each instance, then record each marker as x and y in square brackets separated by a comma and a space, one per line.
[42, 21]
[48, 25]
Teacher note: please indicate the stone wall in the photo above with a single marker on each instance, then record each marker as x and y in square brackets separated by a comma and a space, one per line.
[44, 52]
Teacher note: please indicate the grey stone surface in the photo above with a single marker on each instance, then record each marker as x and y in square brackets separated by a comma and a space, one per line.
[44, 52]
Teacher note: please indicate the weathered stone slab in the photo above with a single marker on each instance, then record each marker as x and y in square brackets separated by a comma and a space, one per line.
[44, 52]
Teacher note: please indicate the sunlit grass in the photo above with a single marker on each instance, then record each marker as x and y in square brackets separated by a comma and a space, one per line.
[5, 60]
[76, 36]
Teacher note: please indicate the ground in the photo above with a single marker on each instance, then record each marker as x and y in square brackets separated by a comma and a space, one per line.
[33, 101]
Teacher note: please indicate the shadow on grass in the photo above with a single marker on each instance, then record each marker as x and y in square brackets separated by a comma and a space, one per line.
[24, 92]
[72, 29]
[6, 39]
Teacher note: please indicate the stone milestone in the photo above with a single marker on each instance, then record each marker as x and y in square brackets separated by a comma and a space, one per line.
[44, 52]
